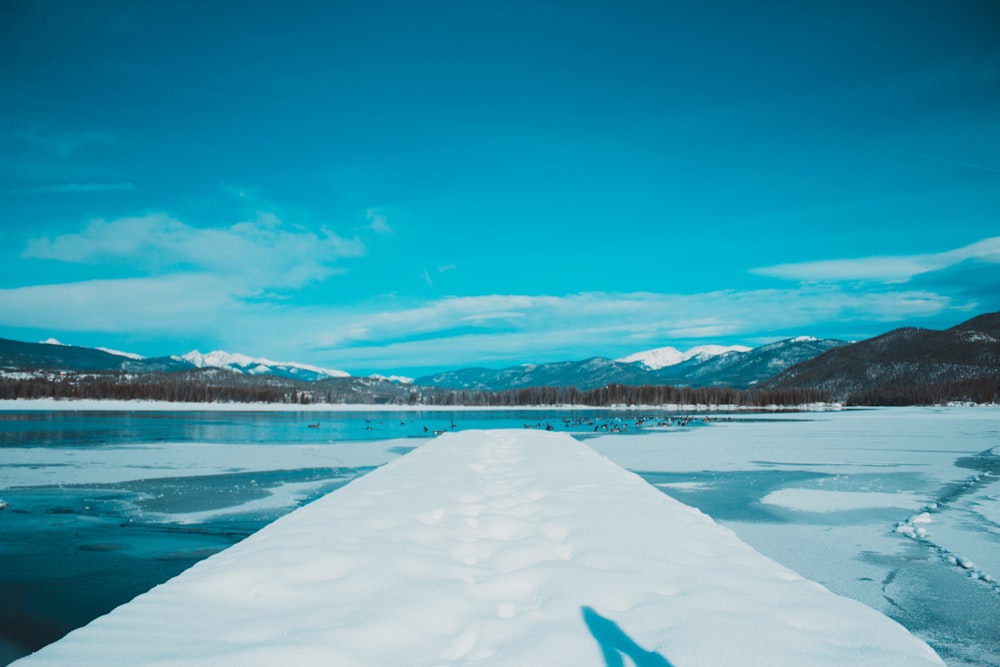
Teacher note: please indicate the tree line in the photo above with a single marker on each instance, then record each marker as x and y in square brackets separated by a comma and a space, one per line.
[207, 386]
[977, 390]
[621, 394]
[188, 387]
[216, 386]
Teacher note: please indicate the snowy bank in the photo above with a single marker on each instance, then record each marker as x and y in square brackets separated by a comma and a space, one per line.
[101, 405]
[492, 548]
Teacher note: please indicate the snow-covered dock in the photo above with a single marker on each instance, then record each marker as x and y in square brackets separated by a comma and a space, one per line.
[492, 548]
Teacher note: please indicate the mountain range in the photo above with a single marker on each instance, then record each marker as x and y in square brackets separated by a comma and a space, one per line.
[745, 369]
[259, 366]
[53, 355]
[887, 367]
[671, 356]
[706, 366]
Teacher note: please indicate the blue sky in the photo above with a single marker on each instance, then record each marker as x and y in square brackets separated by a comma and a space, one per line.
[407, 186]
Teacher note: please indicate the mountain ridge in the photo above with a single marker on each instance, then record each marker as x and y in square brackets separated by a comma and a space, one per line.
[246, 364]
[896, 367]
[704, 366]
[901, 360]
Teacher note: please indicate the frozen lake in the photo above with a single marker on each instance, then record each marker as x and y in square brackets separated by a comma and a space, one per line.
[103, 505]
[897, 508]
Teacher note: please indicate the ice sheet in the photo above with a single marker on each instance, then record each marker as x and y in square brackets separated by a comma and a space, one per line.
[883, 505]
[105, 465]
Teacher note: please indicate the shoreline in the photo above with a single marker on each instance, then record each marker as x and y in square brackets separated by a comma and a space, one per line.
[94, 405]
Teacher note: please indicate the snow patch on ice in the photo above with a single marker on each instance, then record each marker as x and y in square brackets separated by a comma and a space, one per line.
[684, 486]
[280, 497]
[909, 530]
[821, 500]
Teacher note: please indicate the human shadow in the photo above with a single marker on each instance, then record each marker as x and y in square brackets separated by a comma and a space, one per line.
[615, 643]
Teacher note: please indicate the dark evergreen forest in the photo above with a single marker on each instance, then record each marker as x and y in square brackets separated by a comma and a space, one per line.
[212, 385]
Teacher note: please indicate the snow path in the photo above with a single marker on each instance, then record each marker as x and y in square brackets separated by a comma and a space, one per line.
[492, 548]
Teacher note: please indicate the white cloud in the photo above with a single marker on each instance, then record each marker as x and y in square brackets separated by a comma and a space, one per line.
[263, 253]
[539, 328]
[377, 222]
[171, 304]
[886, 269]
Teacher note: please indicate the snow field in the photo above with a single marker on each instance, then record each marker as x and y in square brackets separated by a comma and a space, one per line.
[491, 548]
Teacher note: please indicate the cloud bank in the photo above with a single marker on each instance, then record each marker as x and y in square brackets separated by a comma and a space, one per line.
[504, 328]
[259, 253]
[887, 269]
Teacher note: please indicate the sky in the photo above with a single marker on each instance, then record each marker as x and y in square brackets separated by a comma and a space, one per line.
[403, 187]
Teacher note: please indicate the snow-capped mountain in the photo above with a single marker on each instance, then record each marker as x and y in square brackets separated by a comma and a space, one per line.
[735, 366]
[702, 366]
[242, 363]
[587, 374]
[744, 368]
[663, 357]
[52, 354]
[398, 379]
[108, 350]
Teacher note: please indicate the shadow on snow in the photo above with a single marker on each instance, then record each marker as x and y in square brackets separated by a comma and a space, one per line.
[615, 643]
